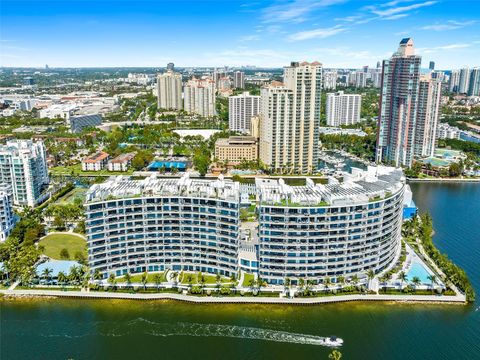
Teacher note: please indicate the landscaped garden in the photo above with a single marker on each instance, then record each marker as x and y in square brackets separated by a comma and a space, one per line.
[63, 246]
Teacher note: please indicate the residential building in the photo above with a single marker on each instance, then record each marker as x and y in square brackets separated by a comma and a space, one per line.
[431, 65]
[241, 108]
[330, 80]
[464, 80]
[315, 232]
[78, 122]
[454, 81]
[95, 162]
[7, 216]
[158, 224]
[121, 163]
[199, 97]
[445, 131]
[224, 83]
[328, 130]
[474, 82]
[377, 78]
[170, 66]
[327, 232]
[23, 166]
[239, 80]
[343, 109]
[290, 118]
[398, 106]
[255, 127]
[429, 94]
[360, 79]
[236, 149]
[169, 90]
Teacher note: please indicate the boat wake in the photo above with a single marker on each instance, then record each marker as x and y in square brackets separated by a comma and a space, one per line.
[60, 329]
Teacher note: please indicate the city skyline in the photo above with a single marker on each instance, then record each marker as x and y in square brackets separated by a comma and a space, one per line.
[339, 33]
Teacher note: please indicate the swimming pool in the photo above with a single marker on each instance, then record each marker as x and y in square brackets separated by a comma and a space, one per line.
[157, 165]
[418, 270]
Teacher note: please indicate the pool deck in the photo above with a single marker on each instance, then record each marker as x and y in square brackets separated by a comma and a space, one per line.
[425, 299]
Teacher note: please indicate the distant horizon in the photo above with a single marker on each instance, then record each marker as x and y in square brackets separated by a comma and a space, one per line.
[343, 34]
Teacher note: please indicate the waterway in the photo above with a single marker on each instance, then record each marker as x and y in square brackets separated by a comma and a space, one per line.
[61, 329]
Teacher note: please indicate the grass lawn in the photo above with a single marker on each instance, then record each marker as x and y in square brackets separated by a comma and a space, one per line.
[247, 278]
[137, 278]
[209, 279]
[54, 243]
[76, 170]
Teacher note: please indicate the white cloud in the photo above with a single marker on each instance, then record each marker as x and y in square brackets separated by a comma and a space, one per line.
[294, 11]
[449, 25]
[441, 48]
[320, 33]
[400, 9]
[395, 17]
[247, 38]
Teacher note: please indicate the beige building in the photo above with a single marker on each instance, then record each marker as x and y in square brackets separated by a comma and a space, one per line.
[169, 90]
[122, 162]
[290, 119]
[236, 148]
[95, 162]
[199, 97]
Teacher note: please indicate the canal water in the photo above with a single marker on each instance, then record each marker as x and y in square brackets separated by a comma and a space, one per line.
[99, 329]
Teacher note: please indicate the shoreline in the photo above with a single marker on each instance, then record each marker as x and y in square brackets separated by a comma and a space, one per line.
[411, 299]
[449, 180]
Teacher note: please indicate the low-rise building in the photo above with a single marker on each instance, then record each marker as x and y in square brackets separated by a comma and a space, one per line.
[95, 162]
[78, 122]
[236, 149]
[121, 162]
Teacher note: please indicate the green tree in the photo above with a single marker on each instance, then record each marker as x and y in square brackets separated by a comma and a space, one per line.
[144, 280]
[64, 254]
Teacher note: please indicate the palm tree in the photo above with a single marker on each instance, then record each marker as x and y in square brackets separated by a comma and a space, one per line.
[260, 282]
[335, 355]
[174, 276]
[190, 280]
[73, 275]
[144, 280]
[354, 279]
[128, 279]
[416, 281]
[385, 278]
[62, 278]
[370, 274]
[403, 277]
[433, 280]
[112, 280]
[157, 279]
[301, 284]
[46, 274]
[251, 284]
[326, 283]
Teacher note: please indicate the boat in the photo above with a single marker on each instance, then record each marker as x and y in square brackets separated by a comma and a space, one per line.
[333, 341]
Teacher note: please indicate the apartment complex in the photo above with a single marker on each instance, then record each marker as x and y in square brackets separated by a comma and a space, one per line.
[429, 94]
[236, 149]
[330, 80]
[199, 97]
[121, 163]
[241, 109]
[314, 232]
[157, 224]
[290, 118]
[96, 162]
[7, 216]
[169, 90]
[343, 109]
[323, 232]
[239, 80]
[23, 166]
[398, 106]
[79, 122]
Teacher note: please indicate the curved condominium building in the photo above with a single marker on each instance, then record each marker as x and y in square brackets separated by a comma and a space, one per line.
[157, 224]
[312, 232]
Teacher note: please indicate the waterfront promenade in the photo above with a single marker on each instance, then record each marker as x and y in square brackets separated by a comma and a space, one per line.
[437, 299]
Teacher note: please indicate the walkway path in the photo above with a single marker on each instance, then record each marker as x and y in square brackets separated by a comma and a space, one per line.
[459, 299]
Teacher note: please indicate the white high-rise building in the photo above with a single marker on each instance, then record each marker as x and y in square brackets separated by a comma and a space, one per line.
[290, 119]
[474, 83]
[169, 90]
[239, 80]
[343, 109]
[429, 94]
[377, 78]
[454, 81]
[464, 81]
[241, 108]
[23, 166]
[360, 79]
[199, 97]
[7, 216]
[330, 80]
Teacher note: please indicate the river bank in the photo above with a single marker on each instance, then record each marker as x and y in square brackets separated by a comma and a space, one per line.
[444, 180]
[425, 299]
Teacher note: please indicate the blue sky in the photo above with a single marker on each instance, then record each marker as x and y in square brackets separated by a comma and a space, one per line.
[339, 33]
